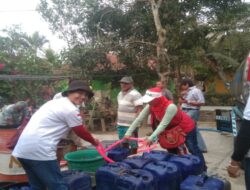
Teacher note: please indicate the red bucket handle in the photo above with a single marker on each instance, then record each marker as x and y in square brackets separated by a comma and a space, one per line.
[143, 147]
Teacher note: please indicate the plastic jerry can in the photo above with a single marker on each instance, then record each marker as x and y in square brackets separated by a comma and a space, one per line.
[118, 154]
[137, 162]
[202, 182]
[20, 188]
[108, 174]
[197, 164]
[185, 165]
[166, 175]
[157, 155]
[77, 180]
[135, 179]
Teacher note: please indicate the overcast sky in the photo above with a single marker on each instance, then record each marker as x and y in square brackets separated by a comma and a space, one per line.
[22, 12]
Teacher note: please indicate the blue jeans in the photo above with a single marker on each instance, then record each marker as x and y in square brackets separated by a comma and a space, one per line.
[195, 115]
[247, 173]
[43, 174]
[191, 142]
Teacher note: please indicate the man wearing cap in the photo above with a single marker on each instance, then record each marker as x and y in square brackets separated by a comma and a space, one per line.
[36, 147]
[13, 115]
[165, 115]
[129, 106]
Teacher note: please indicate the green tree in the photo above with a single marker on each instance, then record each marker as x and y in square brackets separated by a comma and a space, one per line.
[24, 54]
[178, 33]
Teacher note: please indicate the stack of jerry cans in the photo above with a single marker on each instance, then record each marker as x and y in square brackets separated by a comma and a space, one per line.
[137, 162]
[135, 179]
[118, 154]
[203, 182]
[107, 175]
[166, 175]
[158, 155]
[77, 180]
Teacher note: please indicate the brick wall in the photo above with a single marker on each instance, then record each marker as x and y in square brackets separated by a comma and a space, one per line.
[207, 115]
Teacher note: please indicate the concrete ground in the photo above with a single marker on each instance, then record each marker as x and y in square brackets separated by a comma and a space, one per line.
[218, 156]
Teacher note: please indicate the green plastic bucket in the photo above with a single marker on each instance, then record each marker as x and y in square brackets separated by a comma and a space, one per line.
[88, 160]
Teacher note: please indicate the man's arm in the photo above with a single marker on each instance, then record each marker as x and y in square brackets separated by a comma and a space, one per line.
[83, 133]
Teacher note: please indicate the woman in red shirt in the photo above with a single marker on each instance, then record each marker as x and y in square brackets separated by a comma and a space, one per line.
[165, 116]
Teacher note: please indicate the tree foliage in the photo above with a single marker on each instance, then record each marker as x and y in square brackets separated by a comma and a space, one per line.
[24, 55]
[191, 32]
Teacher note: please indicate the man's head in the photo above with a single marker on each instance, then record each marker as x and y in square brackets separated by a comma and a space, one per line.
[186, 83]
[159, 84]
[78, 92]
[19, 106]
[126, 83]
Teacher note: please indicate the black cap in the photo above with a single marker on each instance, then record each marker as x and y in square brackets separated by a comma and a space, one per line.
[77, 85]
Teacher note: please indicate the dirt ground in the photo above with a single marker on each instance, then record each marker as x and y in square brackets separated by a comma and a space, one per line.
[218, 156]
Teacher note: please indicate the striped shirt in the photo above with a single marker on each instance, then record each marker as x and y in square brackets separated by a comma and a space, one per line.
[127, 103]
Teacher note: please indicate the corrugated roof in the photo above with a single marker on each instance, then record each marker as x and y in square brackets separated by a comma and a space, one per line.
[32, 77]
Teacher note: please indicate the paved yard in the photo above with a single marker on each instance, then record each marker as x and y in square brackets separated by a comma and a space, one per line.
[217, 158]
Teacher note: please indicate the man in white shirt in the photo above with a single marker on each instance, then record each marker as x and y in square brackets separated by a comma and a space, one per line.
[36, 147]
[71, 137]
[191, 101]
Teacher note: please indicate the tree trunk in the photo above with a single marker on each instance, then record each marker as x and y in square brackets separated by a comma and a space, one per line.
[216, 68]
[160, 49]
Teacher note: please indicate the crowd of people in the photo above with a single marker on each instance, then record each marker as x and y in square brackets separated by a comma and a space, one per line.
[37, 146]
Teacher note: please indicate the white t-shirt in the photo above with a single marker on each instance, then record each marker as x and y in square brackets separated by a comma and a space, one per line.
[58, 95]
[246, 113]
[46, 128]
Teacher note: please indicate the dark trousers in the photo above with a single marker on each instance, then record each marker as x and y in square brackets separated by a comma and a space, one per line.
[43, 174]
[192, 145]
[247, 173]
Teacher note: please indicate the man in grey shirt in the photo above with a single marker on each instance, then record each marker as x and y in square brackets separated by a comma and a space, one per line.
[191, 101]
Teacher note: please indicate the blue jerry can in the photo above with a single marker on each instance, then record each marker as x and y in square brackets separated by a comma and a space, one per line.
[202, 182]
[166, 175]
[185, 165]
[25, 188]
[135, 179]
[108, 174]
[197, 164]
[157, 155]
[20, 188]
[137, 162]
[77, 180]
[118, 154]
